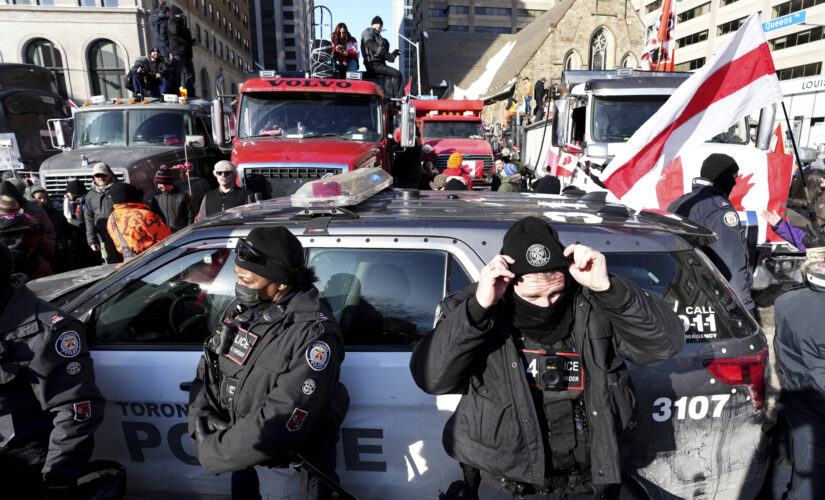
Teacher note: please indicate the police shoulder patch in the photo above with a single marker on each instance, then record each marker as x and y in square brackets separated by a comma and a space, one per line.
[731, 218]
[296, 420]
[82, 411]
[317, 355]
[308, 387]
[73, 368]
[67, 344]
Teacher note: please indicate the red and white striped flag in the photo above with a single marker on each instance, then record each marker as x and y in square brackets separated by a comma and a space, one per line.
[659, 52]
[738, 81]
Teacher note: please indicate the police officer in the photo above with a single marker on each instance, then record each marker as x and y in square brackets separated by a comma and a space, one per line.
[708, 205]
[537, 350]
[799, 344]
[267, 393]
[50, 406]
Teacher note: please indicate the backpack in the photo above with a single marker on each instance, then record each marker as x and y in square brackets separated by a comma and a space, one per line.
[127, 82]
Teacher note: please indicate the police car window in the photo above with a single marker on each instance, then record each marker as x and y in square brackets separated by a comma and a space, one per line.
[695, 293]
[174, 304]
[381, 297]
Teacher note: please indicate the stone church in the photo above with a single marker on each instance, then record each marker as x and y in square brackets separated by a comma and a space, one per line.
[574, 34]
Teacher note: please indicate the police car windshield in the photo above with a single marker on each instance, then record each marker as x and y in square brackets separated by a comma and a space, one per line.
[134, 127]
[304, 116]
[452, 130]
[616, 118]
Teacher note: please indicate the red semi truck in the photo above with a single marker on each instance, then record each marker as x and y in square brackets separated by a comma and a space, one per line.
[287, 131]
[449, 126]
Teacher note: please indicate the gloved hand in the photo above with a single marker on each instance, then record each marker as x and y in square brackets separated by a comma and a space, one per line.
[207, 425]
[395, 52]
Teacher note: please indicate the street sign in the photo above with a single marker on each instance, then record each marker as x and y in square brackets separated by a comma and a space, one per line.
[428, 98]
[784, 21]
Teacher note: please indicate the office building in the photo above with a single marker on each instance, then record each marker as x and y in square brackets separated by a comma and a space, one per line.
[281, 33]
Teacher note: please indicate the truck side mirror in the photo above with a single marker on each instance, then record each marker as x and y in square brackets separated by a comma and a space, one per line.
[407, 123]
[765, 129]
[56, 136]
[560, 117]
[807, 155]
[218, 123]
[195, 141]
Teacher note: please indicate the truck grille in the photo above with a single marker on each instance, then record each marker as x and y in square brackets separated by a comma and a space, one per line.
[290, 172]
[56, 184]
[441, 161]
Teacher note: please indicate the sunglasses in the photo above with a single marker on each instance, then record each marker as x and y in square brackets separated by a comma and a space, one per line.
[100, 176]
[224, 172]
[247, 253]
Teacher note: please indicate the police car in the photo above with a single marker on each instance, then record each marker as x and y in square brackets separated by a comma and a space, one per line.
[385, 258]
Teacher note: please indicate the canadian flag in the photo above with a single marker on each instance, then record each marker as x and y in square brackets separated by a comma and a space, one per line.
[739, 80]
[473, 168]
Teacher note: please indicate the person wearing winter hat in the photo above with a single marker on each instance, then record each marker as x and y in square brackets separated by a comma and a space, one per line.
[549, 184]
[26, 239]
[533, 304]
[455, 169]
[375, 49]
[270, 419]
[74, 208]
[60, 260]
[181, 42]
[708, 204]
[98, 207]
[10, 187]
[228, 195]
[510, 179]
[132, 226]
[172, 205]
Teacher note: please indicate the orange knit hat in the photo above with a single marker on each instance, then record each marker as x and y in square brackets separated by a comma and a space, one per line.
[455, 161]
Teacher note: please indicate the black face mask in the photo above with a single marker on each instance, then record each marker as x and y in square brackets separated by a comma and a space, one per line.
[247, 296]
[546, 325]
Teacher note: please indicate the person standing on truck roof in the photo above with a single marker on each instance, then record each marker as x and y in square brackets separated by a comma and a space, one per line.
[98, 208]
[181, 42]
[159, 21]
[538, 95]
[131, 225]
[228, 195]
[708, 205]
[537, 348]
[172, 205]
[376, 52]
[267, 392]
[527, 94]
[344, 51]
[50, 404]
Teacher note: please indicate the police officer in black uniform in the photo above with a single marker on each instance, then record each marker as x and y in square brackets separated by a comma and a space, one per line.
[537, 350]
[267, 392]
[708, 205]
[50, 406]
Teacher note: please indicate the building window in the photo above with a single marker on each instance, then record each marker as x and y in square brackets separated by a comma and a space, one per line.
[292, 67]
[811, 69]
[628, 61]
[691, 39]
[571, 61]
[220, 49]
[106, 68]
[289, 15]
[87, 3]
[694, 12]
[490, 29]
[286, 3]
[730, 26]
[794, 39]
[110, 3]
[42, 52]
[530, 12]
[211, 13]
[204, 83]
[289, 28]
[598, 51]
[653, 6]
[458, 9]
[690, 65]
[453, 27]
[290, 55]
[722, 3]
[289, 42]
[206, 39]
[492, 11]
[436, 12]
[198, 33]
[794, 6]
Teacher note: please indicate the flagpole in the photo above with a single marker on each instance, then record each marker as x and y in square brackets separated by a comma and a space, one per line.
[811, 211]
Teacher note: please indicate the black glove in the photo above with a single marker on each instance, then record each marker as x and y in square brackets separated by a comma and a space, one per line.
[395, 52]
[207, 425]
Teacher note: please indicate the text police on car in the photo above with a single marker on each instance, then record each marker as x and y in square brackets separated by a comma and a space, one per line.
[537, 348]
[267, 387]
[50, 406]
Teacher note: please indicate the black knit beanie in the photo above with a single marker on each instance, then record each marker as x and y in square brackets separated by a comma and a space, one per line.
[721, 170]
[122, 192]
[76, 188]
[535, 247]
[284, 255]
[377, 20]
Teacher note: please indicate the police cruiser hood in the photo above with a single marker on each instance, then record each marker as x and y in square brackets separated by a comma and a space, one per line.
[56, 285]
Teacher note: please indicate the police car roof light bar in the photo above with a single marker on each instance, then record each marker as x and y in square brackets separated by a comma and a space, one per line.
[342, 190]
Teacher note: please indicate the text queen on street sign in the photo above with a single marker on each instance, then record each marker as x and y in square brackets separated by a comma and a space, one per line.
[784, 21]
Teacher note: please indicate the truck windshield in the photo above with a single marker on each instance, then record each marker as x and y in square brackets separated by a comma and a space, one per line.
[452, 130]
[616, 118]
[140, 126]
[291, 115]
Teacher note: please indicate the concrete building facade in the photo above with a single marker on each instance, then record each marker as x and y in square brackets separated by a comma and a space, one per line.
[479, 16]
[91, 46]
[281, 33]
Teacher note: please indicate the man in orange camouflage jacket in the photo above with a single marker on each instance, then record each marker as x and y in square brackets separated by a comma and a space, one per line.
[138, 227]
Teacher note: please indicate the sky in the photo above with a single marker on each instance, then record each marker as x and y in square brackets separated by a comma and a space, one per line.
[357, 15]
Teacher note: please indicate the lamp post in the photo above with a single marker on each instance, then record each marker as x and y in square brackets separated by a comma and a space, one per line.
[417, 57]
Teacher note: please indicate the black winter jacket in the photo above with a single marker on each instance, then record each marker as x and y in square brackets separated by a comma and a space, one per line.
[159, 21]
[98, 208]
[707, 205]
[286, 396]
[375, 49]
[47, 387]
[495, 427]
[180, 38]
[174, 208]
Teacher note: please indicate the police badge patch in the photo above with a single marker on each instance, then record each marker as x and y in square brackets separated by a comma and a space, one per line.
[318, 356]
[296, 420]
[82, 411]
[308, 387]
[73, 368]
[68, 344]
[731, 219]
[538, 255]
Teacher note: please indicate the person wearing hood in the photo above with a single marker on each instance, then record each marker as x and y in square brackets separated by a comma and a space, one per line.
[26, 240]
[181, 42]
[60, 259]
[172, 205]
[98, 208]
[16, 188]
[267, 392]
[375, 49]
[708, 204]
[159, 21]
[553, 426]
[132, 226]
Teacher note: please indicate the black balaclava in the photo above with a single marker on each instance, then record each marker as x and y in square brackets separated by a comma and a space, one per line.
[545, 325]
[721, 170]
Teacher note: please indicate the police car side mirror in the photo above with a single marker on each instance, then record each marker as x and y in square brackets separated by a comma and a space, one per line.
[195, 141]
